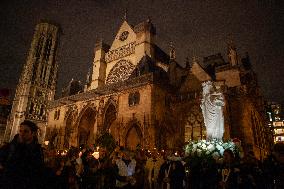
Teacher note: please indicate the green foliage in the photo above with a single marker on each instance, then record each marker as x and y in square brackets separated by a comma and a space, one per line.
[107, 141]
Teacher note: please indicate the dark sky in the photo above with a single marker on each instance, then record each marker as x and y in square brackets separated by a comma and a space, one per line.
[196, 27]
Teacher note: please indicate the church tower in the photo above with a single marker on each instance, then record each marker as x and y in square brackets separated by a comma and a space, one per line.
[37, 83]
[99, 65]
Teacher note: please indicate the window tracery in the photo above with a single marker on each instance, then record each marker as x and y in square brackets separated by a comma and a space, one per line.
[47, 47]
[39, 46]
[195, 126]
[120, 72]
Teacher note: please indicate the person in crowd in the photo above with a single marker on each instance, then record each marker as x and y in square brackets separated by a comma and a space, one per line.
[108, 169]
[50, 178]
[61, 173]
[177, 174]
[251, 173]
[125, 171]
[270, 171]
[152, 168]
[22, 159]
[278, 153]
[91, 168]
[228, 173]
[208, 169]
[78, 166]
[164, 173]
[140, 159]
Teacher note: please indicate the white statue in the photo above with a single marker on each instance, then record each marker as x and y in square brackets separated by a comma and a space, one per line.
[212, 109]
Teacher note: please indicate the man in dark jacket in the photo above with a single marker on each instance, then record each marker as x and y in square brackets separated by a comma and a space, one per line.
[21, 160]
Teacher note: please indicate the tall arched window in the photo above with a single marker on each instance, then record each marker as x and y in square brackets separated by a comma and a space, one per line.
[47, 47]
[134, 98]
[39, 46]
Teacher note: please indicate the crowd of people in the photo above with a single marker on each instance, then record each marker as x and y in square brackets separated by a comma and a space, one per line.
[24, 164]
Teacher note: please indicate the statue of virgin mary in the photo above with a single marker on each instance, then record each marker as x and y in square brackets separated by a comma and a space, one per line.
[212, 109]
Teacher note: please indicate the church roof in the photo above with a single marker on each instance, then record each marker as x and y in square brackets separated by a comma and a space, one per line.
[145, 25]
[148, 65]
[160, 55]
[73, 87]
[213, 62]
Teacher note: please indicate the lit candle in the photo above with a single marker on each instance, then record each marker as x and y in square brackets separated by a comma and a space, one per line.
[46, 142]
[96, 155]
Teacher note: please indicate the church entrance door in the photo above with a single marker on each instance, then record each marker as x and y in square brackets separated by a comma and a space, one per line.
[110, 123]
[133, 137]
[86, 132]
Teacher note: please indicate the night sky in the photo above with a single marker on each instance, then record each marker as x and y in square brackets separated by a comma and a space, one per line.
[196, 27]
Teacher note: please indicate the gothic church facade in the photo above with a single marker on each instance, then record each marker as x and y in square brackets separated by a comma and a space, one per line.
[143, 97]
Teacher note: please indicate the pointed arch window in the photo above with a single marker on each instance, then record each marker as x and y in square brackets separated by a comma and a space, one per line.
[47, 47]
[31, 108]
[39, 46]
[56, 115]
[134, 98]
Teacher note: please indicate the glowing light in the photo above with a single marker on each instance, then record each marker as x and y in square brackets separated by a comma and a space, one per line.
[63, 153]
[46, 142]
[96, 155]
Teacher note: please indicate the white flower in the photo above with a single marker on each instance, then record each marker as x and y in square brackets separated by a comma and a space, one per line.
[210, 148]
[219, 147]
[215, 155]
[222, 151]
[198, 152]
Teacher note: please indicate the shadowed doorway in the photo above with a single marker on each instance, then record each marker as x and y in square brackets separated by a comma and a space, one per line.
[109, 122]
[86, 128]
[133, 137]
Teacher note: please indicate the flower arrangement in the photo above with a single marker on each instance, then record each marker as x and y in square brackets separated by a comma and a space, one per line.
[209, 149]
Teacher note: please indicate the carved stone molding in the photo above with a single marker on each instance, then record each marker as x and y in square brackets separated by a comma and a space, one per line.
[120, 52]
[72, 111]
[105, 90]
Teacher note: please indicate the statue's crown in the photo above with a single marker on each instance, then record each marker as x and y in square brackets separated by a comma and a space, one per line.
[206, 83]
